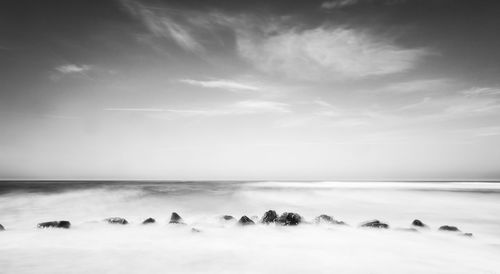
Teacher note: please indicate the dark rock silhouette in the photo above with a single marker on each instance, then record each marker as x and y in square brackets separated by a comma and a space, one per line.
[228, 217]
[149, 221]
[449, 228]
[195, 230]
[375, 224]
[116, 220]
[269, 217]
[175, 219]
[418, 223]
[323, 218]
[289, 218]
[1, 227]
[244, 220]
[57, 224]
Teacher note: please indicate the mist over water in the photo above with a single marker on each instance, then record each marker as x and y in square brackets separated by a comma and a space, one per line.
[225, 247]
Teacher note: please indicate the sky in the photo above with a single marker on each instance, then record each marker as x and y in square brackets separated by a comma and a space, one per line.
[250, 90]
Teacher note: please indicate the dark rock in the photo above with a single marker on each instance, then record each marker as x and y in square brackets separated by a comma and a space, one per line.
[116, 220]
[449, 228]
[195, 230]
[269, 217]
[228, 217]
[375, 224]
[244, 220]
[175, 219]
[149, 221]
[467, 234]
[57, 224]
[323, 218]
[418, 223]
[1, 227]
[289, 218]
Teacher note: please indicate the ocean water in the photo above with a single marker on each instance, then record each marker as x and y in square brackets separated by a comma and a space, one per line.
[93, 246]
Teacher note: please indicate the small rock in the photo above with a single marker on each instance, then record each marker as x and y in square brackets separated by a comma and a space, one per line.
[244, 220]
[418, 223]
[175, 219]
[1, 227]
[194, 230]
[116, 220]
[228, 217]
[149, 221]
[375, 224]
[323, 218]
[467, 234]
[449, 228]
[289, 218]
[57, 224]
[269, 217]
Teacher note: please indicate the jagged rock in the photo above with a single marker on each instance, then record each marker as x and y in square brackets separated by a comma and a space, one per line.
[175, 219]
[418, 223]
[149, 221]
[228, 217]
[269, 217]
[467, 234]
[1, 227]
[289, 218]
[323, 218]
[116, 220]
[194, 230]
[244, 220]
[375, 224]
[449, 228]
[58, 224]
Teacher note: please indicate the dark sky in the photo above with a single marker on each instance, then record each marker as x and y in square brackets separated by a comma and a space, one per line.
[340, 89]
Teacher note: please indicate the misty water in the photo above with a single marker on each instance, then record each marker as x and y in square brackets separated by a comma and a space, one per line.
[93, 246]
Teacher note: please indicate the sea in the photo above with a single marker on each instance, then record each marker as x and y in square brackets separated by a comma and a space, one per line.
[216, 245]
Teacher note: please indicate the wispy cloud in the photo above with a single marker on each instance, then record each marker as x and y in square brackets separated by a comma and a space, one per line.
[72, 68]
[482, 92]
[221, 84]
[333, 4]
[325, 53]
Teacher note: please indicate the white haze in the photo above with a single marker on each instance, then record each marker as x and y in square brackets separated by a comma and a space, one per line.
[224, 247]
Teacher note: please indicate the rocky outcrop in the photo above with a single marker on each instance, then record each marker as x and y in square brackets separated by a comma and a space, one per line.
[418, 223]
[2, 228]
[244, 220]
[228, 217]
[449, 228]
[269, 217]
[375, 224]
[289, 218]
[116, 220]
[149, 221]
[57, 224]
[326, 219]
[175, 219]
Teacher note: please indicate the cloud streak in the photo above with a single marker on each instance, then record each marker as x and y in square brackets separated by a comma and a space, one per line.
[72, 68]
[221, 84]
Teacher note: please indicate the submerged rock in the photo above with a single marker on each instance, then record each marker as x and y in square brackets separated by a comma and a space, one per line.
[228, 217]
[418, 223]
[269, 217]
[323, 218]
[289, 218]
[57, 224]
[244, 220]
[116, 220]
[449, 228]
[175, 219]
[195, 230]
[467, 234]
[375, 224]
[149, 221]
[407, 229]
[1, 227]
